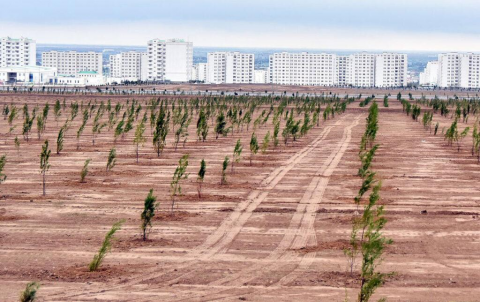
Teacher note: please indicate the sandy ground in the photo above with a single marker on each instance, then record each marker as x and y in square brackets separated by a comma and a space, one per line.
[276, 230]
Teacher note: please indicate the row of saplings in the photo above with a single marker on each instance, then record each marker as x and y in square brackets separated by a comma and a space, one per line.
[176, 113]
[451, 134]
[366, 238]
[112, 157]
[160, 120]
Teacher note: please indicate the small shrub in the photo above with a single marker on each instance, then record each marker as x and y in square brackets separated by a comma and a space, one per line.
[112, 159]
[17, 143]
[3, 161]
[84, 172]
[105, 248]
[266, 142]
[30, 292]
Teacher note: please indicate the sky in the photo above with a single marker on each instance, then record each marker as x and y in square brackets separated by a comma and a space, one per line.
[417, 25]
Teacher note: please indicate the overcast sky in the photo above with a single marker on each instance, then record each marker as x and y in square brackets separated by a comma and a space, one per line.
[430, 25]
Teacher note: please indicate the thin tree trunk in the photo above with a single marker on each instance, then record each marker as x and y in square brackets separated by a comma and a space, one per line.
[43, 183]
[200, 189]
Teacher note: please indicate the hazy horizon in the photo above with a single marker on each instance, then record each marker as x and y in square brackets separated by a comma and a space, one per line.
[370, 25]
[244, 47]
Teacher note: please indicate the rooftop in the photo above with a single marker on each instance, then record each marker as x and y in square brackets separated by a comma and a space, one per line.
[26, 69]
[88, 72]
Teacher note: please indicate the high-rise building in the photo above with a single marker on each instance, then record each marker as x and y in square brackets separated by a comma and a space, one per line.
[129, 66]
[17, 52]
[230, 67]
[303, 69]
[449, 70]
[170, 60]
[260, 76]
[178, 60]
[199, 72]
[71, 63]
[341, 70]
[429, 76]
[391, 70]
[156, 60]
[470, 70]
[360, 70]
[458, 70]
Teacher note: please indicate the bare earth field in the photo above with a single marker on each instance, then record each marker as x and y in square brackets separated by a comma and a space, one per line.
[276, 231]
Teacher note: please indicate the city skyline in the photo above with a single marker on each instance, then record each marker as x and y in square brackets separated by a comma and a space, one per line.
[345, 24]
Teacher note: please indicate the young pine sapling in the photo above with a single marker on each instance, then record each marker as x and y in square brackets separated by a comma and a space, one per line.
[178, 175]
[253, 146]
[139, 137]
[148, 213]
[237, 153]
[44, 165]
[201, 177]
[112, 159]
[224, 170]
[60, 139]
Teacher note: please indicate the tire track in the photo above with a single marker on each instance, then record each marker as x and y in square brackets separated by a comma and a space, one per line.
[301, 228]
[300, 233]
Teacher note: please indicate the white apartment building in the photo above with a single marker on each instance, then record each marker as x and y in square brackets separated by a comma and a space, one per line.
[178, 60]
[303, 69]
[449, 70]
[470, 71]
[170, 60]
[199, 72]
[429, 76]
[72, 62]
[230, 67]
[454, 70]
[156, 60]
[17, 52]
[360, 71]
[129, 66]
[341, 70]
[260, 76]
[391, 70]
